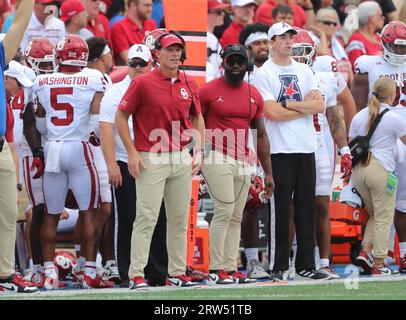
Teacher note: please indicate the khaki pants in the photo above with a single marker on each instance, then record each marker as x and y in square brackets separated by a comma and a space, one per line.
[228, 180]
[166, 176]
[371, 183]
[8, 211]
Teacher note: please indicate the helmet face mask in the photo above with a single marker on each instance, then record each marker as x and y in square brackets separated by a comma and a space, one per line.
[303, 53]
[393, 41]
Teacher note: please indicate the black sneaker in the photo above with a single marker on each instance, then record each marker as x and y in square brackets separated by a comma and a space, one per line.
[311, 275]
[277, 276]
[15, 284]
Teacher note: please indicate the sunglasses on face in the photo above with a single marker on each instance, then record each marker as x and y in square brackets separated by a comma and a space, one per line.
[218, 12]
[329, 23]
[135, 64]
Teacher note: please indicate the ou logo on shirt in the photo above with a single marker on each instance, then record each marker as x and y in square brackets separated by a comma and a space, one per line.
[184, 93]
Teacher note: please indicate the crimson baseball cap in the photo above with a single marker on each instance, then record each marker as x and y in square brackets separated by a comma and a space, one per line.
[217, 4]
[70, 8]
[47, 1]
[169, 40]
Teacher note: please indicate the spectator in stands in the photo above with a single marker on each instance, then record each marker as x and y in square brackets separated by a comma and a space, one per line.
[243, 11]
[215, 19]
[366, 39]
[131, 29]
[218, 31]
[74, 15]
[303, 15]
[282, 13]
[325, 30]
[97, 23]
[319, 4]
[116, 12]
[5, 11]
[43, 23]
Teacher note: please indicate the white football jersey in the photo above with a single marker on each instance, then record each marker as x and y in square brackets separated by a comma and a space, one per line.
[327, 83]
[67, 100]
[377, 67]
[329, 64]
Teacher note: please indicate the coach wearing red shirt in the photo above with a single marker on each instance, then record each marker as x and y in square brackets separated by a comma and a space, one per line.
[131, 29]
[165, 107]
[230, 107]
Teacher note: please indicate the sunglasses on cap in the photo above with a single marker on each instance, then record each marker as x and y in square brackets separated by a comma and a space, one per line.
[329, 23]
[141, 63]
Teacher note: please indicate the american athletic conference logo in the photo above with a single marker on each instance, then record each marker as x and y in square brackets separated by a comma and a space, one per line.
[290, 89]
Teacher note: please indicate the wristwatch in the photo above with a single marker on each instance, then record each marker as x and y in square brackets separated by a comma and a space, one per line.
[284, 103]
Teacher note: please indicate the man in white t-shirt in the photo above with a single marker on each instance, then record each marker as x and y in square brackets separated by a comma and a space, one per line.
[44, 24]
[115, 154]
[291, 99]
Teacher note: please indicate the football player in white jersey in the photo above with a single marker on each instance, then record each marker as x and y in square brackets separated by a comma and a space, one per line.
[392, 65]
[255, 37]
[304, 51]
[69, 98]
[100, 64]
[39, 57]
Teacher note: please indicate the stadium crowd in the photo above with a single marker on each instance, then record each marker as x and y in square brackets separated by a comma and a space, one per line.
[105, 129]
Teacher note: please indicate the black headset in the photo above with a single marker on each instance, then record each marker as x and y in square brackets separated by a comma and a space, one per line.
[250, 55]
[157, 43]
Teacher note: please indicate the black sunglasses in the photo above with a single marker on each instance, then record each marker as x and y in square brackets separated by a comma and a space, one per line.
[218, 12]
[329, 23]
[141, 63]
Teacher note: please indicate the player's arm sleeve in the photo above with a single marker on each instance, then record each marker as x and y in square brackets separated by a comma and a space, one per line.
[361, 65]
[108, 106]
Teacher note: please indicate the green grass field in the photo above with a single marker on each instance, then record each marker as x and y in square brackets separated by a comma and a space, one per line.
[392, 289]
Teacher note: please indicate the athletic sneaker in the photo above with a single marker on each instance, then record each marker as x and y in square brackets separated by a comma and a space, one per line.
[219, 277]
[77, 278]
[256, 271]
[138, 282]
[15, 284]
[28, 273]
[180, 281]
[383, 271]
[111, 272]
[278, 276]
[52, 283]
[240, 278]
[365, 260]
[38, 279]
[402, 264]
[96, 283]
[195, 275]
[311, 275]
[329, 271]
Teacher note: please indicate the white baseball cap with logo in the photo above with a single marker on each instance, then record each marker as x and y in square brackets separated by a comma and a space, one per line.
[140, 51]
[279, 29]
[16, 70]
[242, 3]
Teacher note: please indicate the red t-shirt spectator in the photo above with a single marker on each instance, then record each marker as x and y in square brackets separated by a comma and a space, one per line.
[125, 33]
[101, 27]
[4, 7]
[231, 34]
[264, 13]
[160, 111]
[225, 107]
[9, 124]
[358, 45]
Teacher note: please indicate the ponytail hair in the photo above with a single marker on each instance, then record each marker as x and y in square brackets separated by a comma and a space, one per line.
[383, 89]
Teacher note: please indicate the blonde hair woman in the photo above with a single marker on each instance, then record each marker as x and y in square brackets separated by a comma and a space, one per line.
[375, 180]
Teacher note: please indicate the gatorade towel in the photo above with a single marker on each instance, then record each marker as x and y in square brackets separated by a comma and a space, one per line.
[3, 105]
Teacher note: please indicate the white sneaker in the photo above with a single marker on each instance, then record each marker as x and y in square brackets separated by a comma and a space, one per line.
[111, 272]
[255, 270]
[329, 271]
[28, 274]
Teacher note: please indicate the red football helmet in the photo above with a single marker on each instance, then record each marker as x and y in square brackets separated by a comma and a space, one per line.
[151, 38]
[39, 55]
[65, 262]
[393, 41]
[256, 200]
[304, 47]
[72, 50]
[203, 188]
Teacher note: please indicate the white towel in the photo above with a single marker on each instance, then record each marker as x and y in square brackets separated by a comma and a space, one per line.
[52, 161]
[338, 50]
[350, 196]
